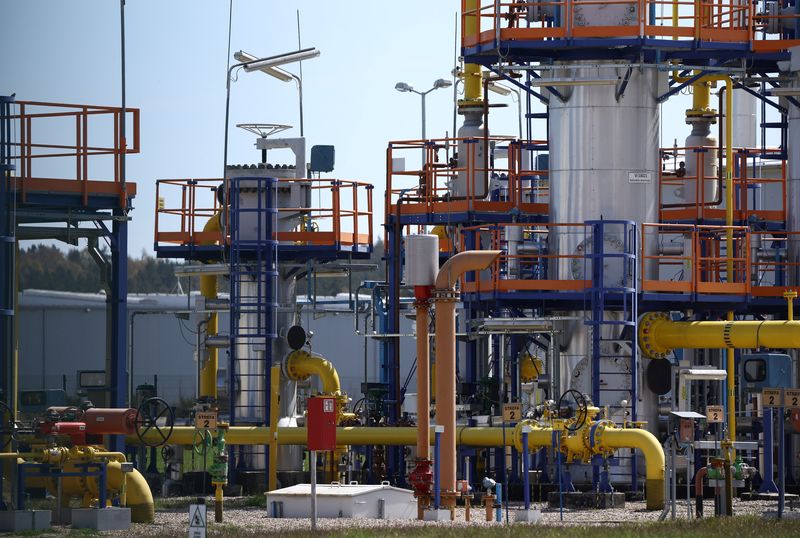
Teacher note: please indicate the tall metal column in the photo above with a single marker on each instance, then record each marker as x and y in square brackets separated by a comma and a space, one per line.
[117, 303]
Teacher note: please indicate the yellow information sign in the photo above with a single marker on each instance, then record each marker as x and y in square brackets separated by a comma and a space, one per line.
[205, 420]
[715, 414]
[772, 397]
[512, 412]
[791, 398]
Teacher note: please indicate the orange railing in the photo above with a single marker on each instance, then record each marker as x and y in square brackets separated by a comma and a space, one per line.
[473, 182]
[666, 265]
[50, 133]
[771, 265]
[701, 20]
[527, 262]
[700, 195]
[673, 258]
[342, 215]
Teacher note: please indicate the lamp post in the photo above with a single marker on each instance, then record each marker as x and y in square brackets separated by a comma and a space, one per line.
[404, 88]
[277, 72]
[440, 83]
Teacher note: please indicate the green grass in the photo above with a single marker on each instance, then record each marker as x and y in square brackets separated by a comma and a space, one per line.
[735, 527]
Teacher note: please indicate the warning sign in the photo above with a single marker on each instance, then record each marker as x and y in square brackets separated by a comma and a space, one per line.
[197, 521]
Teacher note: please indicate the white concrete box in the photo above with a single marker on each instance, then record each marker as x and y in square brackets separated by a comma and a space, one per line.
[343, 501]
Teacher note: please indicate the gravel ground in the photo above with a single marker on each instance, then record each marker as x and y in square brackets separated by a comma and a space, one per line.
[254, 521]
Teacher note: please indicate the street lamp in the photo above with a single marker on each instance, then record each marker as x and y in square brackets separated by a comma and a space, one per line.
[278, 73]
[440, 83]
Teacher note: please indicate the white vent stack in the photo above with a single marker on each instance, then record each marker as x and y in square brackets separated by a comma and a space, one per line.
[422, 259]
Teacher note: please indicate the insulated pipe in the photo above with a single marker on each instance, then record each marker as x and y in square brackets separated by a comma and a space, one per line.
[301, 364]
[208, 288]
[445, 298]
[658, 335]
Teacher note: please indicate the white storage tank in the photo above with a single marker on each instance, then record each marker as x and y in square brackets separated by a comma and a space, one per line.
[343, 501]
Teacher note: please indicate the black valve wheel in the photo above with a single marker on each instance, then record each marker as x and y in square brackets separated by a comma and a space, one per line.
[8, 426]
[147, 419]
[581, 408]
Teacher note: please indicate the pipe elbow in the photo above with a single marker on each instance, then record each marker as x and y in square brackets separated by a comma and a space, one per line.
[614, 438]
[301, 364]
[208, 283]
[471, 260]
[139, 498]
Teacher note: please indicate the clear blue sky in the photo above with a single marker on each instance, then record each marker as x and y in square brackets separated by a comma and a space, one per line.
[176, 63]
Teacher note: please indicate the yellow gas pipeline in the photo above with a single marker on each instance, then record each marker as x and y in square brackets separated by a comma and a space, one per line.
[208, 288]
[594, 438]
[473, 78]
[301, 364]
[658, 335]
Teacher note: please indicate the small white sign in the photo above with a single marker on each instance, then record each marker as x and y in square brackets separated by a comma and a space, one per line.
[327, 405]
[640, 177]
[197, 521]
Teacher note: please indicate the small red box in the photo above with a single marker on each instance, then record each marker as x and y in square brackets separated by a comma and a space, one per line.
[321, 423]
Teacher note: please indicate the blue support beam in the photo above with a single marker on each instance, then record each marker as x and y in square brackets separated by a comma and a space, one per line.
[117, 303]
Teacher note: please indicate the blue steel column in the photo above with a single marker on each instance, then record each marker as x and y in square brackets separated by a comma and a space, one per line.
[7, 268]
[395, 466]
[118, 303]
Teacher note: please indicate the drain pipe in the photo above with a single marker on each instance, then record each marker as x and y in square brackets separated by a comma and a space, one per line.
[445, 298]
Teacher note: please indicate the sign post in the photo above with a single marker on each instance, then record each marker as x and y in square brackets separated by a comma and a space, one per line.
[197, 518]
[321, 428]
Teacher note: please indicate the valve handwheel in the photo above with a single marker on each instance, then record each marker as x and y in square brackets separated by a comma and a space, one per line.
[8, 426]
[201, 441]
[581, 411]
[147, 416]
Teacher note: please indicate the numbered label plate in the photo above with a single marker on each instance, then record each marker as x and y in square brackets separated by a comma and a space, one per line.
[715, 414]
[512, 412]
[772, 397]
[206, 420]
[791, 398]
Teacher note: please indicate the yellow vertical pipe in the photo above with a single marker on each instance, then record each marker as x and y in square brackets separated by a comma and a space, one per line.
[472, 72]
[274, 412]
[731, 364]
[208, 288]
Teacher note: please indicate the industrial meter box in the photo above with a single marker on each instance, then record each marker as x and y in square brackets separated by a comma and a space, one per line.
[321, 423]
[761, 370]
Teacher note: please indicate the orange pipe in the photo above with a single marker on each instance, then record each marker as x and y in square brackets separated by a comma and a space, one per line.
[445, 298]
[471, 260]
[423, 381]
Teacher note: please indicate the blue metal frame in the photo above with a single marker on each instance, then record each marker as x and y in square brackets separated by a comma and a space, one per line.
[46, 470]
[254, 260]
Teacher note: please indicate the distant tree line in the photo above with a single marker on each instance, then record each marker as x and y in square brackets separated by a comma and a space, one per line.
[50, 268]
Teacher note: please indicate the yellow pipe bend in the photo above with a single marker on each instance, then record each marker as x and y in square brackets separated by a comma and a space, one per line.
[301, 364]
[658, 335]
[208, 288]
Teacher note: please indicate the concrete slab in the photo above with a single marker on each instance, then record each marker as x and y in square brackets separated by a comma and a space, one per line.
[24, 520]
[748, 496]
[436, 515]
[102, 519]
[527, 516]
[582, 501]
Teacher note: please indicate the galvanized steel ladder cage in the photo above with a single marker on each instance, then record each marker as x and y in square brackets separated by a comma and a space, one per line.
[254, 273]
